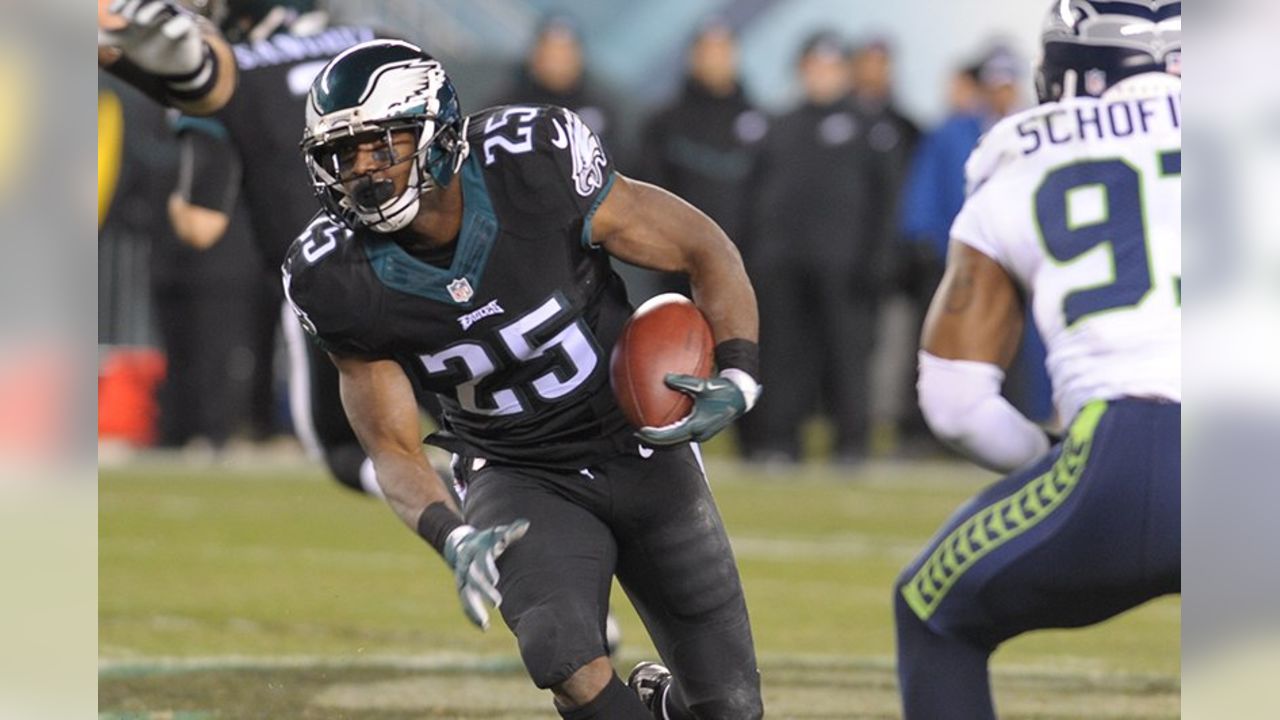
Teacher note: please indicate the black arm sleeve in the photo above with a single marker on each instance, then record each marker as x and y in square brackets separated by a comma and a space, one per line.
[148, 84]
[209, 168]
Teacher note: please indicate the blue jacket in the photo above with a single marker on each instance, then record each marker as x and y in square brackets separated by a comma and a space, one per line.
[934, 190]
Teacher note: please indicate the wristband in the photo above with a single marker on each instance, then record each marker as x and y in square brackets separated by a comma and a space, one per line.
[196, 84]
[436, 523]
[739, 354]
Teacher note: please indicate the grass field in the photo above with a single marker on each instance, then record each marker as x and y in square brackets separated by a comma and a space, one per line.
[272, 593]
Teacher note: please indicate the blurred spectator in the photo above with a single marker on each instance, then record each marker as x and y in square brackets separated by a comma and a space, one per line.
[201, 311]
[891, 130]
[978, 97]
[247, 156]
[703, 145]
[554, 73]
[815, 256]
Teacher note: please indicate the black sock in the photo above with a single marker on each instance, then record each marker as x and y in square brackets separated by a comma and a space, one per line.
[615, 702]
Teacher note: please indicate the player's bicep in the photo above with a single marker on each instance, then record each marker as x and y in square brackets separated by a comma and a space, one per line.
[647, 226]
[976, 313]
[380, 405]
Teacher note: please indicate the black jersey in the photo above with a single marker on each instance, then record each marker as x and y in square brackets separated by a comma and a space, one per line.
[515, 334]
[261, 125]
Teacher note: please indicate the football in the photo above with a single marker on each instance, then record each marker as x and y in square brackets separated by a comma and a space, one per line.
[667, 334]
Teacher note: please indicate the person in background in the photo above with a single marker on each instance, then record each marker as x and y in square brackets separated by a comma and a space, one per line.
[554, 73]
[979, 95]
[891, 130]
[815, 253]
[197, 298]
[245, 156]
[703, 145]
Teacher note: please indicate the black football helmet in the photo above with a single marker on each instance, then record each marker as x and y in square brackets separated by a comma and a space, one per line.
[1090, 46]
[369, 92]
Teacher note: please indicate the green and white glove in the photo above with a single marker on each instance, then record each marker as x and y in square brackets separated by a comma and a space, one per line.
[473, 554]
[717, 402]
[159, 37]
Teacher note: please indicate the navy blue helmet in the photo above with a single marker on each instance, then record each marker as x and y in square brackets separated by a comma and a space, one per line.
[1091, 45]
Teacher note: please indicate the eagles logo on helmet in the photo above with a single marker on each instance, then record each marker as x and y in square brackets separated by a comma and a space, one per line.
[367, 94]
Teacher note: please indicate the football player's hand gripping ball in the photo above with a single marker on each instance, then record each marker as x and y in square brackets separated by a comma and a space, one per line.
[717, 402]
[157, 36]
[473, 555]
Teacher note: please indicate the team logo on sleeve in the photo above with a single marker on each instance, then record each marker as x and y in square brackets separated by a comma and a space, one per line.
[584, 147]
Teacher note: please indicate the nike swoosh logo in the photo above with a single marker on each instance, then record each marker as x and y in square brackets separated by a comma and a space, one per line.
[645, 452]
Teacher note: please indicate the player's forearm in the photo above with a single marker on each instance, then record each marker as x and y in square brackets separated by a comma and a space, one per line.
[417, 496]
[212, 97]
[717, 277]
[722, 291]
[961, 401]
[409, 484]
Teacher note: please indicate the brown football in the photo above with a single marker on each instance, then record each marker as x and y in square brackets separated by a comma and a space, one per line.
[667, 334]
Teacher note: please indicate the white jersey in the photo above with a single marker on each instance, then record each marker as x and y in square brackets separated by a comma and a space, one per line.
[1081, 202]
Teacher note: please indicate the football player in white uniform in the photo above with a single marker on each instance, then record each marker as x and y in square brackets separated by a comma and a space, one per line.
[1074, 205]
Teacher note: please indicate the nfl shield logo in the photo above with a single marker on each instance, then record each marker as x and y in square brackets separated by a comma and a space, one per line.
[460, 290]
[1095, 82]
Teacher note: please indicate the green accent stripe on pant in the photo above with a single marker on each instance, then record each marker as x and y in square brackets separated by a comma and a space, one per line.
[1008, 518]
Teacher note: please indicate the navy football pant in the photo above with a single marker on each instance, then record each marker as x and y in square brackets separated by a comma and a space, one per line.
[652, 522]
[1085, 533]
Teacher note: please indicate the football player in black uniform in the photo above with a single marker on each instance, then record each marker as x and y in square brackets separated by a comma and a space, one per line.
[471, 254]
[246, 153]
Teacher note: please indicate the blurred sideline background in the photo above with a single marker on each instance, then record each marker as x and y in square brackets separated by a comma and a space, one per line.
[186, 352]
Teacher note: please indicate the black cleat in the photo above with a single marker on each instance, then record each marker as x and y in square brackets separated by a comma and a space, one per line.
[651, 681]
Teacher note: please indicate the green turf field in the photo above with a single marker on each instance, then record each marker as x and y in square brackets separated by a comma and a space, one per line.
[237, 593]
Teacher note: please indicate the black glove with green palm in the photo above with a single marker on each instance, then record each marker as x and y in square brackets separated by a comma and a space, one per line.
[717, 402]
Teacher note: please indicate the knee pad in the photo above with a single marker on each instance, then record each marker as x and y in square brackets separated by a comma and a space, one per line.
[738, 703]
[556, 641]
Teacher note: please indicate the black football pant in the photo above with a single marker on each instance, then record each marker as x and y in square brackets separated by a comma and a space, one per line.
[652, 522]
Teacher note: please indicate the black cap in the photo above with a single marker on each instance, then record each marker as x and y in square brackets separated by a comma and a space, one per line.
[825, 42]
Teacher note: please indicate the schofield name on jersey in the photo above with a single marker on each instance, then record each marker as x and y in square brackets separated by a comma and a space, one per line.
[1099, 121]
[489, 310]
[284, 48]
